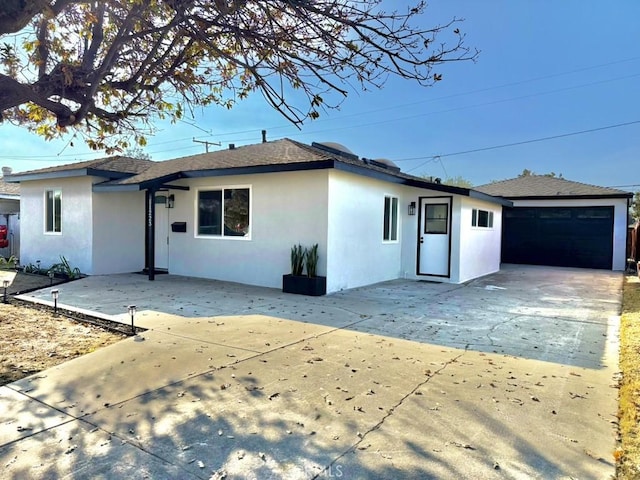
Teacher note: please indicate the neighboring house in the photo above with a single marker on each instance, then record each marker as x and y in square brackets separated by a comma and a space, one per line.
[235, 214]
[9, 216]
[555, 221]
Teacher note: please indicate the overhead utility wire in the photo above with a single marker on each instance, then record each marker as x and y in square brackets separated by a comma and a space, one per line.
[505, 145]
[455, 109]
[230, 134]
[461, 94]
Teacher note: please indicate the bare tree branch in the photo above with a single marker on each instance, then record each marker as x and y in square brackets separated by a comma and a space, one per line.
[107, 68]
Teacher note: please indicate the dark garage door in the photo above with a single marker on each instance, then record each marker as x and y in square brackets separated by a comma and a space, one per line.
[559, 236]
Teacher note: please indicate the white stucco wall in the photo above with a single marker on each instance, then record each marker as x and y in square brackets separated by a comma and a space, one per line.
[75, 240]
[286, 208]
[357, 254]
[619, 222]
[118, 232]
[474, 252]
[479, 248]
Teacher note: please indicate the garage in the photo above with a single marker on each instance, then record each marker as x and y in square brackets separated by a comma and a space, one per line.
[559, 236]
[558, 222]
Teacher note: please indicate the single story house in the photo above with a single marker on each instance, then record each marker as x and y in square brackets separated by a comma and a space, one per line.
[235, 214]
[9, 216]
[554, 221]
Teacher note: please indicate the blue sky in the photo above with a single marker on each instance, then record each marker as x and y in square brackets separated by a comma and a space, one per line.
[546, 69]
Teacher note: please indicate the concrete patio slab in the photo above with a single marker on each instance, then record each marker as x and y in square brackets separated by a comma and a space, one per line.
[22, 416]
[254, 333]
[509, 376]
[125, 370]
[80, 450]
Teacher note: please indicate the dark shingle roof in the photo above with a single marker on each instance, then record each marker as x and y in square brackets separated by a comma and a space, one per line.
[541, 186]
[277, 155]
[278, 152]
[274, 154]
[118, 164]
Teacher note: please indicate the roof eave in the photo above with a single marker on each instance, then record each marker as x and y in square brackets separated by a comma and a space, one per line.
[570, 197]
[27, 177]
[505, 202]
[110, 174]
[127, 187]
[76, 172]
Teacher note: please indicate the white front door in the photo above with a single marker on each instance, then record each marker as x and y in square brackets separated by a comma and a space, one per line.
[162, 232]
[434, 236]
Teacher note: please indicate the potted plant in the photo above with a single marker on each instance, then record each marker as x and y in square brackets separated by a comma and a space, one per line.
[296, 281]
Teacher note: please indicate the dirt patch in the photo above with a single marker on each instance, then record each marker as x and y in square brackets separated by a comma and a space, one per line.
[34, 338]
[26, 282]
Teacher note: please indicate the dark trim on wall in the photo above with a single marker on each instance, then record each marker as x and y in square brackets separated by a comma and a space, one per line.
[150, 237]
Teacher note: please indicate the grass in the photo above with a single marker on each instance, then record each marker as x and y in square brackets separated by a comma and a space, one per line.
[628, 453]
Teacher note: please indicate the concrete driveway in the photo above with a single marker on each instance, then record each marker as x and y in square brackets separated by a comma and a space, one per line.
[509, 376]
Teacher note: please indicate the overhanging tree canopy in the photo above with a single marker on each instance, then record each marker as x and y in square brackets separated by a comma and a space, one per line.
[109, 68]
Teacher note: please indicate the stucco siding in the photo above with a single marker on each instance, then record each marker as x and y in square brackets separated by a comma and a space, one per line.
[285, 208]
[479, 247]
[357, 253]
[118, 232]
[619, 223]
[74, 242]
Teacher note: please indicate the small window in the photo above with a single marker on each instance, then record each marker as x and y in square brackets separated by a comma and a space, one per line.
[481, 218]
[53, 211]
[390, 227]
[224, 212]
[436, 218]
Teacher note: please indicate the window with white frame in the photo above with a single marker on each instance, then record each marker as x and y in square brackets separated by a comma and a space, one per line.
[53, 211]
[390, 226]
[223, 212]
[481, 218]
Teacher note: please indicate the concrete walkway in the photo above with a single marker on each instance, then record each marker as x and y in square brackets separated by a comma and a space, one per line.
[509, 376]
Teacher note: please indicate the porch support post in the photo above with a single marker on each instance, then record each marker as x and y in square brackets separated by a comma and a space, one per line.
[150, 248]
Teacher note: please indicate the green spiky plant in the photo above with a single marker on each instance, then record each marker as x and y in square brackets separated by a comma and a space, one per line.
[312, 261]
[298, 255]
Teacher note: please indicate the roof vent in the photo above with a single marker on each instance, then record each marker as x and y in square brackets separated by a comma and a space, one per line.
[335, 149]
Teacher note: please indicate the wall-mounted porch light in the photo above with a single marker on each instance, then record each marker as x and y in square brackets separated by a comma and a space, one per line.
[171, 200]
[5, 285]
[412, 208]
[55, 293]
[132, 311]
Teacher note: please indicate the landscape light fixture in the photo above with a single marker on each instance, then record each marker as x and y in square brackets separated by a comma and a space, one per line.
[5, 284]
[412, 208]
[55, 293]
[38, 265]
[132, 312]
[50, 278]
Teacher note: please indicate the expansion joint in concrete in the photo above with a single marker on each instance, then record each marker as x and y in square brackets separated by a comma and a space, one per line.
[389, 413]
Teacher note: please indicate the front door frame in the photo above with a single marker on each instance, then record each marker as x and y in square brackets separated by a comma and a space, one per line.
[422, 201]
